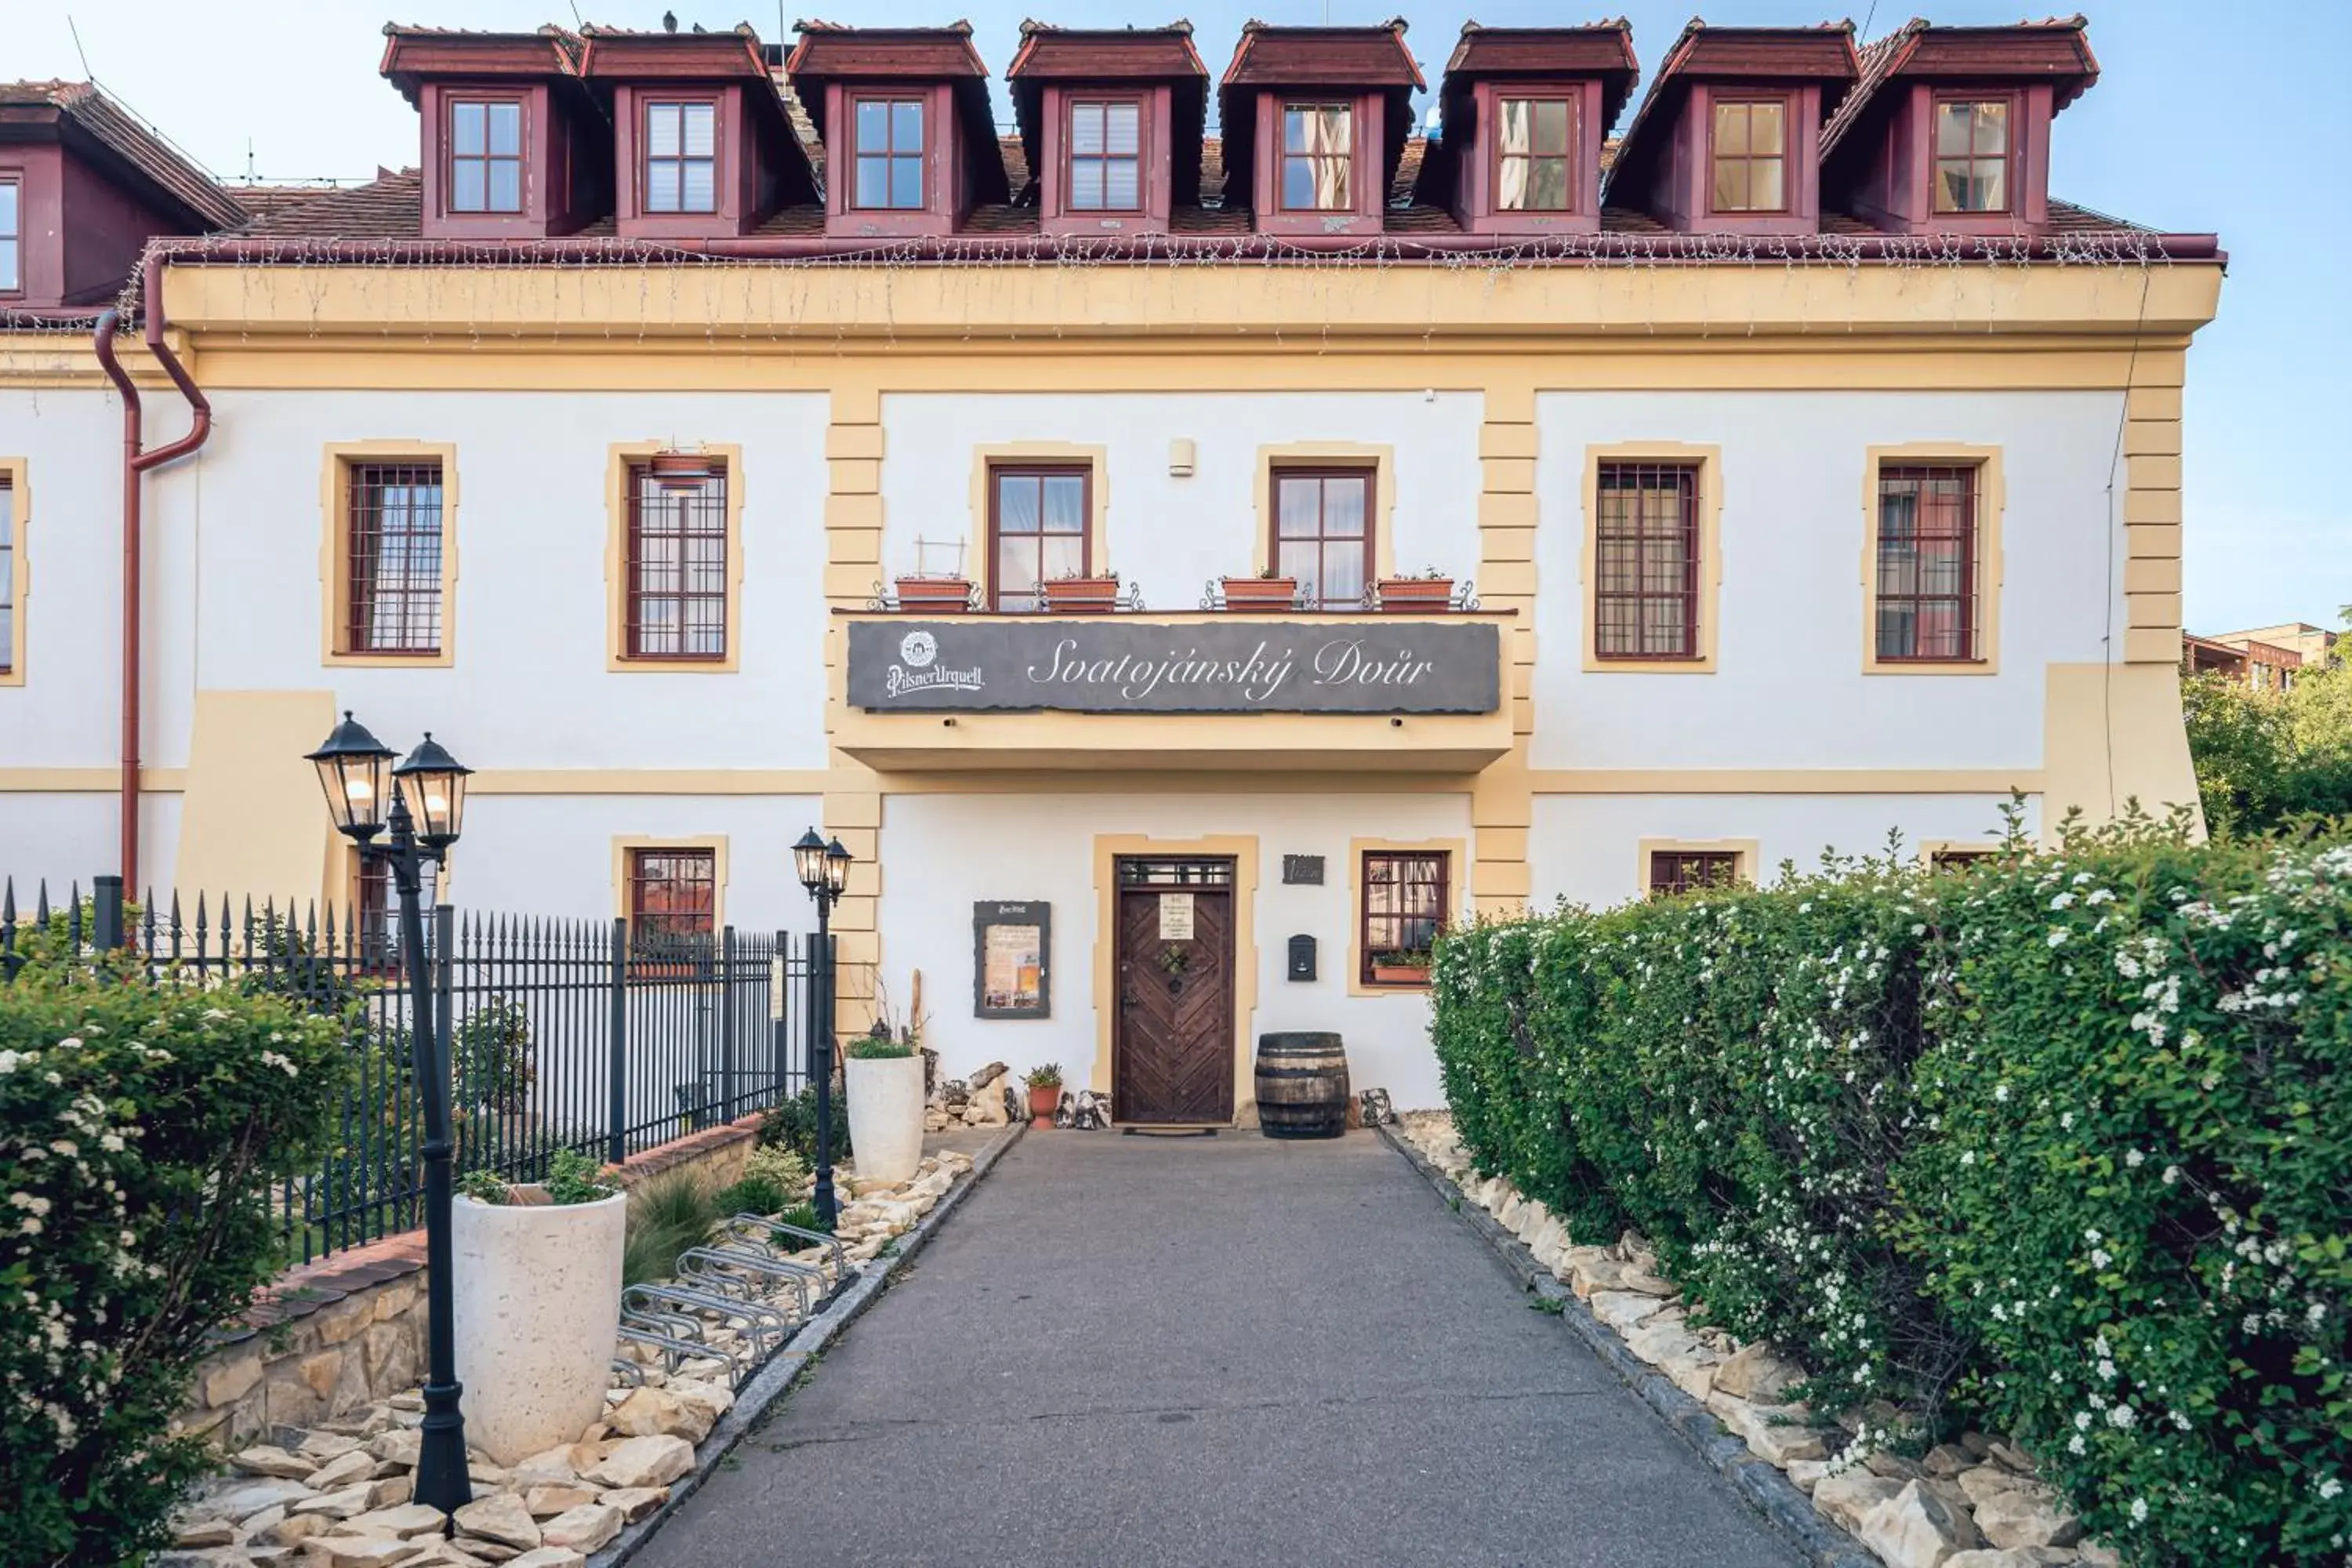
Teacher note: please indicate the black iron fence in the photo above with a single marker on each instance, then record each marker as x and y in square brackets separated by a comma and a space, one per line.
[558, 1032]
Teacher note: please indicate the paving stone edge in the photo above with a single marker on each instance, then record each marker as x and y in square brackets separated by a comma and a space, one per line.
[1762, 1486]
[783, 1370]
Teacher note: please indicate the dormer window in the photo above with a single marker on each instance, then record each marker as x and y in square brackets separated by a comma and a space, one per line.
[1107, 155]
[12, 237]
[1318, 157]
[485, 155]
[889, 132]
[1972, 156]
[1535, 145]
[681, 171]
[1750, 154]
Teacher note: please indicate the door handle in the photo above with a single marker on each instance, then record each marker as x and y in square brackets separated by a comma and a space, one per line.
[1126, 999]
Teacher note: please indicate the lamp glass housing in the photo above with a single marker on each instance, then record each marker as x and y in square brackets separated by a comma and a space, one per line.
[352, 765]
[433, 783]
[808, 862]
[836, 869]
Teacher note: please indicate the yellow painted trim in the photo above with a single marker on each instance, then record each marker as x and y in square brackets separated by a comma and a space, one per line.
[1993, 501]
[649, 781]
[334, 560]
[714, 842]
[1241, 778]
[1708, 460]
[251, 822]
[1458, 870]
[1784, 781]
[1379, 457]
[979, 560]
[16, 477]
[2111, 733]
[1242, 850]
[1748, 849]
[617, 458]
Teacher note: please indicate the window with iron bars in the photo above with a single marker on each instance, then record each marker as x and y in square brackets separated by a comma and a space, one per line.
[1403, 911]
[394, 544]
[1646, 561]
[676, 569]
[1686, 870]
[1927, 609]
[672, 902]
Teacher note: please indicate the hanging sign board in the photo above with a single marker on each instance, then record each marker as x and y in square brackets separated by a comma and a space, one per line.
[1129, 664]
[1175, 916]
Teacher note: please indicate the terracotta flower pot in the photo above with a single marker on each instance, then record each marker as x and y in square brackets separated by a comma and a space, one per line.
[1416, 595]
[1399, 975]
[935, 596]
[1260, 593]
[1082, 595]
[1044, 1100]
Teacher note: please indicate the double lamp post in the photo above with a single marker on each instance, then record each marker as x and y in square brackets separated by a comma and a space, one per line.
[419, 817]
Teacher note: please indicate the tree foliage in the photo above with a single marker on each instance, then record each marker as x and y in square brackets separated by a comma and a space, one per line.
[2266, 758]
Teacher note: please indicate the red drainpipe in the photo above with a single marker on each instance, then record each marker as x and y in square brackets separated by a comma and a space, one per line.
[135, 463]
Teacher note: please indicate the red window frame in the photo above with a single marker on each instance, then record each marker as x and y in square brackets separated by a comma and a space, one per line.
[1674, 871]
[1036, 473]
[12, 237]
[890, 152]
[451, 157]
[1716, 157]
[647, 158]
[1972, 160]
[1943, 519]
[673, 900]
[1402, 907]
[676, 570]
[1565, 157]
[1140, 158]
[1284, 551]
[1284, 157]
[395, 543]
[1635, 575]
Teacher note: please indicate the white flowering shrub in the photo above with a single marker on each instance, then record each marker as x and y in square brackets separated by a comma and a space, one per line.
[140, 1126]
[2060, 1147]
[2139, 1201]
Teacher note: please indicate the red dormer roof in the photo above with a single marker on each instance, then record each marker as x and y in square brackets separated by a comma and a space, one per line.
[829, 51]
[2057, 51]
[412, 54]
[1372, 60]
[1603, 49]
[1106, 55]
[1824, 54]
[98, 129]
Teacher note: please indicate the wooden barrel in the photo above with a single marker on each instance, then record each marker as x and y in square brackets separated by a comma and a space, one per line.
[1302, 1085]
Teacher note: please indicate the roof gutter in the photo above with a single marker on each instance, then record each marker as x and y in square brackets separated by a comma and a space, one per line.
[135, 464]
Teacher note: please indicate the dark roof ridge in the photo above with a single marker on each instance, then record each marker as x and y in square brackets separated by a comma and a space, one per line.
[960, 26]
[1031, 25]
[145, 151]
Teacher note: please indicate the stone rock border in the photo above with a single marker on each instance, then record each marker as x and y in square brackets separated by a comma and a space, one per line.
[784, 1369]
[1757, 1481]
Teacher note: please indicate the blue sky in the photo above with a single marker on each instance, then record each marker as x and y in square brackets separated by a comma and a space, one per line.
[2205, 119]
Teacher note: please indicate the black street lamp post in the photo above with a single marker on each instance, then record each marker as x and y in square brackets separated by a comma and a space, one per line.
[823, 870]
[423, 815]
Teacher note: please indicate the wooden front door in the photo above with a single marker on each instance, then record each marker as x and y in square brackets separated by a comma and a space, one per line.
[1172, 1046]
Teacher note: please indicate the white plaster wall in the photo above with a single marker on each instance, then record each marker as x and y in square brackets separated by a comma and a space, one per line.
[941, 854]
[1789, 689]
[65, 715]
[1172, 535]
[1585, 848]
[59, 838]
[552, 855]
[529, 688]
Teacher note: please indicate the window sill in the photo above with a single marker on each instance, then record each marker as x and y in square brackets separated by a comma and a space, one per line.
[1604, 664]
[636, 664]
[1931, 667]
[442, 659]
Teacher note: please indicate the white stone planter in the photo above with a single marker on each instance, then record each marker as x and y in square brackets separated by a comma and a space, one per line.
[885, 1116]
[537, 1290]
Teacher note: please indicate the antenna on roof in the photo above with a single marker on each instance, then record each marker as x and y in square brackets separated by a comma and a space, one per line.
[577, 20]
[250, 172]
[87, 74]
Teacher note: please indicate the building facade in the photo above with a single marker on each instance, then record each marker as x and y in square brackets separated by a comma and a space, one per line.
[708, 441]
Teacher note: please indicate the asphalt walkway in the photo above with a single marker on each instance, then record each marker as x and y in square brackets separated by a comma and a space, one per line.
[1155, 1351]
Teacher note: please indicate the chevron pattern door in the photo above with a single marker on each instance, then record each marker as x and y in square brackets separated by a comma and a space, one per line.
[1172, 1055]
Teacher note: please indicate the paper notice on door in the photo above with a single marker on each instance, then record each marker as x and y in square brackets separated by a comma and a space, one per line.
[1175, 916]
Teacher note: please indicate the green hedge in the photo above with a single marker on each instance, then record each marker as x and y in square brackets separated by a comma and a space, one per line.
[139, 1127]
[2060, 1146]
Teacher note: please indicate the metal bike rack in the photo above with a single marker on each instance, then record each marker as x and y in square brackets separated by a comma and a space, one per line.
[763, 1325]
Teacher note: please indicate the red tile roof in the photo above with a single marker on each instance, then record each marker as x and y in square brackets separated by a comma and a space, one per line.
[1270, 56]
[1603, 49]
[1107, 54]
[1824, 54]
[140, 152]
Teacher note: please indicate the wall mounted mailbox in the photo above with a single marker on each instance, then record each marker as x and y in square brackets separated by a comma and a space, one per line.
[1302, 958]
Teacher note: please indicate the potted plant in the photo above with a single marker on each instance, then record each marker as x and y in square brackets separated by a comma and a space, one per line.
[1417, 592]
[1044, 1093]
[536, 1287]
[934, 596]
[1269, 590]
[1082, 593]
[882, 1078]
[1401, 968]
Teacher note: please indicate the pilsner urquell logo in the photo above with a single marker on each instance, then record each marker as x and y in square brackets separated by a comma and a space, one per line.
[918, 650]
